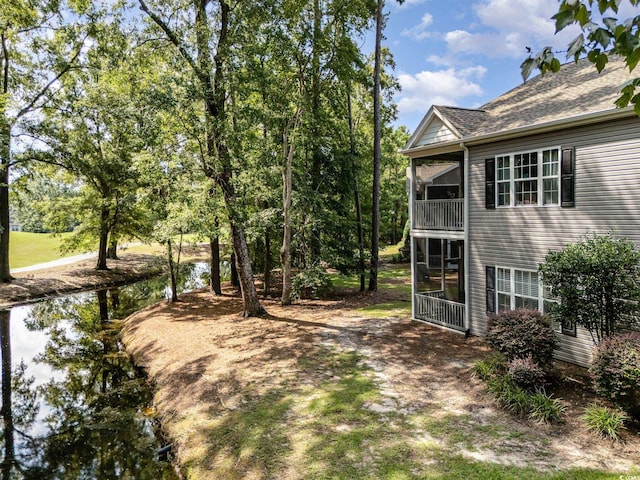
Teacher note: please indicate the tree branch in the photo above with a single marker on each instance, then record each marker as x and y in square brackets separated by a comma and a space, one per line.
[27, 108]
[173, 38]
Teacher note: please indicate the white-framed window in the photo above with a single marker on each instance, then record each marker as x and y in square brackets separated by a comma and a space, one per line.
[518, 289]
[528, 178]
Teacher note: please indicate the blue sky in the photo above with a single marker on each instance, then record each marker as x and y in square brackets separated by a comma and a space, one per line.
[467, 52]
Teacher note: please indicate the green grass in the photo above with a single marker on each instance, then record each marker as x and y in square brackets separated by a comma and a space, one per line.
[324, 428]
[390, 276]
[388, 309]
[27, 249]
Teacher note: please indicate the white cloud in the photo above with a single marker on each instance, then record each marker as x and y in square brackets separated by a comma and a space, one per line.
[507, 27]
[441, 87]
[420, 32]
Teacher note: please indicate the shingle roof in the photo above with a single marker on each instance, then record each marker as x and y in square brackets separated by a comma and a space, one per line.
[430, 171]
[578, 89]
[465, 120]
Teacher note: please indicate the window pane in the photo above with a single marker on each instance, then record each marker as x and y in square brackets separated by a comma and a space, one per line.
[504, 302]
[526, 283]
[525, 165]
[522, 302]
[503, 280]
[551, 191]
[504, 193]
[503, 165]
[527, 192]
[550, 163]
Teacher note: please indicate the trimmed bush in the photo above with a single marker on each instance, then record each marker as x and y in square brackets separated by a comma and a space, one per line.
[604, 421]
[526, 373]
[615, 370]
[522, 333]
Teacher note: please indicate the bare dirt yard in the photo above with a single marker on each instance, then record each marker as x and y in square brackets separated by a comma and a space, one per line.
[336, 389]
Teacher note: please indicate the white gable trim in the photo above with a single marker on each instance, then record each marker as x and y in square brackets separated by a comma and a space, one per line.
[436, 127]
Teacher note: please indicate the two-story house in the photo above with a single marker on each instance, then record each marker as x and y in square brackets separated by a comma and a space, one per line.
[539, 167]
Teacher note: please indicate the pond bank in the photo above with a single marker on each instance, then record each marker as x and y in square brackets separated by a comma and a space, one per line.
[326, 389]
[33, 285]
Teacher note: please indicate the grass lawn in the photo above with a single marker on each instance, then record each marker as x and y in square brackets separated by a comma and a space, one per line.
[27, 248]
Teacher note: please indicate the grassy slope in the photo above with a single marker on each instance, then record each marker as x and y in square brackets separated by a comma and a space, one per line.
[32, 248]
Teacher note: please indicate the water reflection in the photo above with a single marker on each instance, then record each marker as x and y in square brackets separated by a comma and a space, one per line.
[72, 403]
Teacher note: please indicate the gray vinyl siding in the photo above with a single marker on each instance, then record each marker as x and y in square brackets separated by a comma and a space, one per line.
[607, 187]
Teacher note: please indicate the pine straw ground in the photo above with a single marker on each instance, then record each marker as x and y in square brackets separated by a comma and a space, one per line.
[336, 389]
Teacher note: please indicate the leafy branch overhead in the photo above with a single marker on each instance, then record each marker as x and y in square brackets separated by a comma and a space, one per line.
[602, 35]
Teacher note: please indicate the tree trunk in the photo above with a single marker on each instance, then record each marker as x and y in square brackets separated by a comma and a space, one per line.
[5, 149]
[267, 261]
[250, 299]
[172, 272]
[235, 282]
[112, 250]
[7, 408]
[356, 194]
[104, 235]
[285, 251]
[288, 145]
[214, 277]
[377, 133]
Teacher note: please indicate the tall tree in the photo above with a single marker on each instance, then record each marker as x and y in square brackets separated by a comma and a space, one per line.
[38, 46]
[377, 133]
[211, 26]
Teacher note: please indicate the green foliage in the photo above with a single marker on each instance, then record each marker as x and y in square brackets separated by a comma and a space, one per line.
[310, 282]
[538, 405]
[544, 409]
[593, 279]
[490, 367]
[606, 422]
[526, 373]
[615, 369]
[522, 333]
[603, 35]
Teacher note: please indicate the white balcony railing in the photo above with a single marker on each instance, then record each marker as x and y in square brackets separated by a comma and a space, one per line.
[432, 307]
[439, 214]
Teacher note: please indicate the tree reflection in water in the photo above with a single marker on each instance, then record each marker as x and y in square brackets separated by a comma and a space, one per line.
[92, 423]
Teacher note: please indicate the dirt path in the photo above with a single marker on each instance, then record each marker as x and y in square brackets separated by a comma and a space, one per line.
[206, 361]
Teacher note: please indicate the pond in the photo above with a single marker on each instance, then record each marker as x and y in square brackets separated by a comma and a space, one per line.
[74, 406]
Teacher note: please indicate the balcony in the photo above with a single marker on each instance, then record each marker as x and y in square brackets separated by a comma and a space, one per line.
[439, 215]
[432, 307]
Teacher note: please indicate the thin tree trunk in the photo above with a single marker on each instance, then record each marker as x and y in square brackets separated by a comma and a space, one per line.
[214, 277]
[356, 194]
[235, 281]
[104, 235]
[377, 132]
[267, 261]
[112, 251]
[172, 272]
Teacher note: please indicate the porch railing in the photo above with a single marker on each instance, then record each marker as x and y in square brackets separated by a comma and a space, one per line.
[433, 307]
[439, 214]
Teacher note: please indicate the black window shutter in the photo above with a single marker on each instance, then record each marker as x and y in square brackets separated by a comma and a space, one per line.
[490, 182]
[567, 178]
[491, 289]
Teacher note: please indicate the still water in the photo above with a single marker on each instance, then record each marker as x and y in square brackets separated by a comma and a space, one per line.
[74, 406]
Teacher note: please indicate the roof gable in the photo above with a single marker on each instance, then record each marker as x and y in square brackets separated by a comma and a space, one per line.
[433, 129]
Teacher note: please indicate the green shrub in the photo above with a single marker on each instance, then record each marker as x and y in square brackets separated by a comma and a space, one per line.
[510, 395]
[544, 409]
[312, 282]
[526, 373]
[615, 369]
[489, 367]
[604, 421]
[522, 333]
